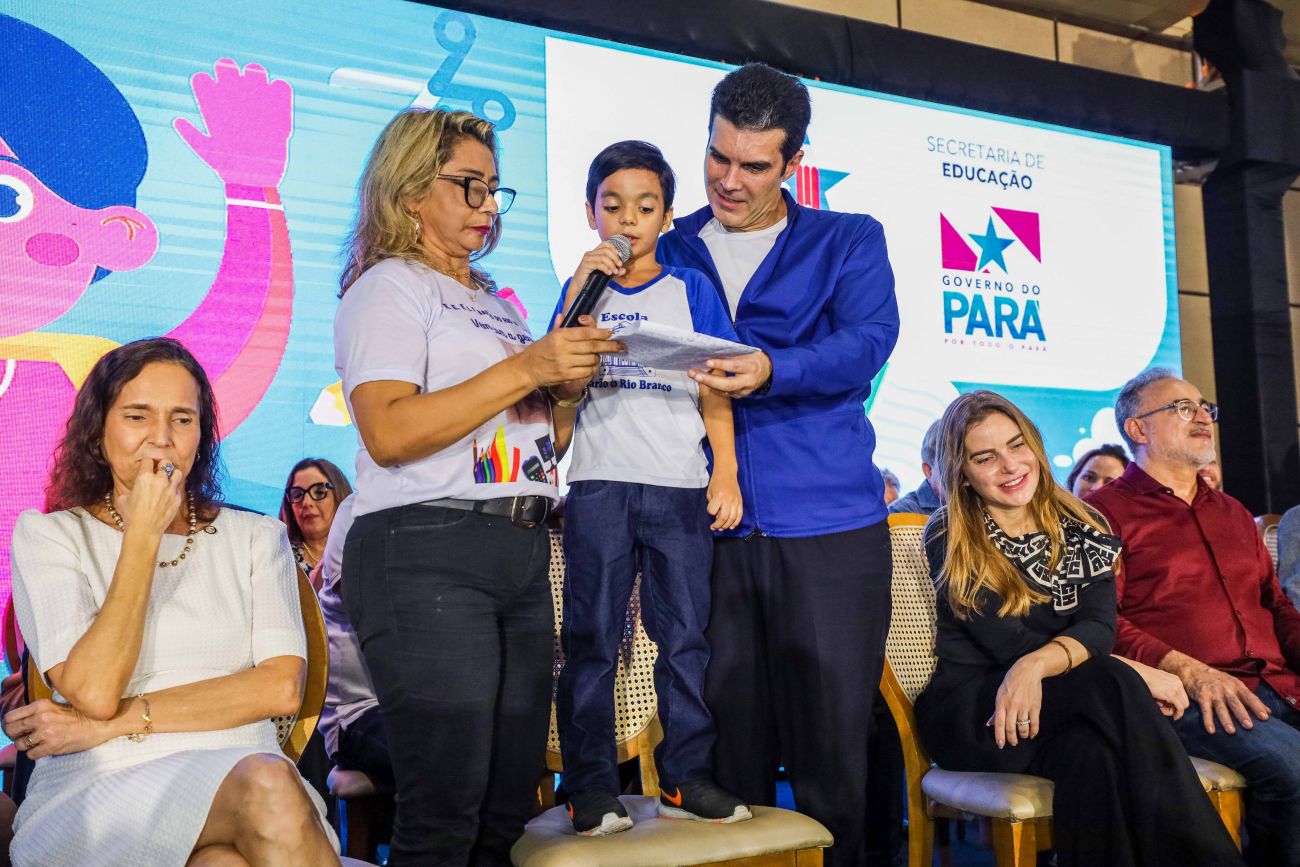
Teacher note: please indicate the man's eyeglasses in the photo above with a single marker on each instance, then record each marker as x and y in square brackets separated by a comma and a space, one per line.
[318, 491]
[1187, 409]
[477, 191]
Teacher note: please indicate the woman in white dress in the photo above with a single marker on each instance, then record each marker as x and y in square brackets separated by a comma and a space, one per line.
[170, 631]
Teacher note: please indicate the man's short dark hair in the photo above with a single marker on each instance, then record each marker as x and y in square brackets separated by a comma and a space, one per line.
[757, 97]
[1130, 397]
[631, 154]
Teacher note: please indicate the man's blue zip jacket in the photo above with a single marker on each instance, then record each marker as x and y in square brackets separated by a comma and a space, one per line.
[822, 306]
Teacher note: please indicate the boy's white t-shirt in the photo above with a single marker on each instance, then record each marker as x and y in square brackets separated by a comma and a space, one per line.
[640, 424]
[403, 321]
[737, 255]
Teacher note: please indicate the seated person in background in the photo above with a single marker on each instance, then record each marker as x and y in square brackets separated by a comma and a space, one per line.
[311, 496]
[1288, 553]
[1025, 682]
[312, 493]
[170, 631]
[1213, 475]
[1198, 598]
[350, 720]
[1096, 467]
[929, 495]
[892, 485]
[640, 496]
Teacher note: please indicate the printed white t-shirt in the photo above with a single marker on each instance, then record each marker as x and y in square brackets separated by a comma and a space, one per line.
[737, 255]
[640, 424]
[404, 321]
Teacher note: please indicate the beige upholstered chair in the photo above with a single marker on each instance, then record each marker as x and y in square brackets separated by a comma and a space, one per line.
[1019, 805]
[1267, 526]
[293, 731]
[1225, 787]
[773, 838]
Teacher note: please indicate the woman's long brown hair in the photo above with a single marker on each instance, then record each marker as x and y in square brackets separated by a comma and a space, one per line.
[81, 475]
[973, 562]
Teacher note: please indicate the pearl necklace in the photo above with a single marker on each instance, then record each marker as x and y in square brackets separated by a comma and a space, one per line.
[189, 536]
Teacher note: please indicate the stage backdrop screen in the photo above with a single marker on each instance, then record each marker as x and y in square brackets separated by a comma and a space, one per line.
[190, 169]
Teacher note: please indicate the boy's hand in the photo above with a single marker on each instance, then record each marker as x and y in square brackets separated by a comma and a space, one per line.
[725, 504]
[603, 258]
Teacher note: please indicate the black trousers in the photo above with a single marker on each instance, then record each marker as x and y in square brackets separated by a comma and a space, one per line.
[363, 746]
[1125, 791]
[886, 789]
[797, 635]
[453, 610]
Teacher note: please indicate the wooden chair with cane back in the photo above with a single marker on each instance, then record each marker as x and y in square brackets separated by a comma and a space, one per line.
[1019, 806]
[772, 838]
[292, 731]
[636, 726]
[1267, 526]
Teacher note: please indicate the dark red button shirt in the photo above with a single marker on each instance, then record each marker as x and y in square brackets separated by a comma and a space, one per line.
[1197, 579]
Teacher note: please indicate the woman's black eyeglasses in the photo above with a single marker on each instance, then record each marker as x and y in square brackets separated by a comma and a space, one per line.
[318, 491]
[477, 191]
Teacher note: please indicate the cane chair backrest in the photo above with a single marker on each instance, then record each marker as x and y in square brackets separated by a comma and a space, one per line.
[634, 687]
[910, 644]
[1267, 525]
[295, 730]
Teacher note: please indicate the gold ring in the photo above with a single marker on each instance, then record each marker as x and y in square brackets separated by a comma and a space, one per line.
[30, 743]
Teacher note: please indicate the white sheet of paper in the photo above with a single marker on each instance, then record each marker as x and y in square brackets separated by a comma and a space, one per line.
[654, 345]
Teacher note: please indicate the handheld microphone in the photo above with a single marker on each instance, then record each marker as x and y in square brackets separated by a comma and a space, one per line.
[590, 293]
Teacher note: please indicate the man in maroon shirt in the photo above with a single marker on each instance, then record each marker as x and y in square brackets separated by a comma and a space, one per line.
[1198, 597]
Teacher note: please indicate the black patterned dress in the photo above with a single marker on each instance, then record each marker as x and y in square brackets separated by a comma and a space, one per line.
[1125, 790]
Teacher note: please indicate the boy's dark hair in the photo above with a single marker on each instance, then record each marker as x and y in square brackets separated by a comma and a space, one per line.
[631, 154]
[758, 97]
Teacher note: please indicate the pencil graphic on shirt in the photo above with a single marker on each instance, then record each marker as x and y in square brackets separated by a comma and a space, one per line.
[491, 465]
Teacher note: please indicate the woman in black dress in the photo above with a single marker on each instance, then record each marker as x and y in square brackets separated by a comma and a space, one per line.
[1025, 682]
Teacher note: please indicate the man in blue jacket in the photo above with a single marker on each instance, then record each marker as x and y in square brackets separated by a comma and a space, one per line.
[801, 588]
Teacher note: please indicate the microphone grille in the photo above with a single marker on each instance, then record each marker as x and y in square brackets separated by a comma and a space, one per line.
[623, 245]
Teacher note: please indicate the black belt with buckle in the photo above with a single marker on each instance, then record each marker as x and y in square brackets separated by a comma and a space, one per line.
[526, 512]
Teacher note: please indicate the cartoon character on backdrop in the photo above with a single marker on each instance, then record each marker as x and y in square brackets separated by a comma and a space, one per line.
[72, 153]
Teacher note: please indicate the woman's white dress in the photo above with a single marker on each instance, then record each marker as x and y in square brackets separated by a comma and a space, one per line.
[232, 603]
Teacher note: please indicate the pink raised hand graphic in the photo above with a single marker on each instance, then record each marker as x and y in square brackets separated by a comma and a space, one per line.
[240, 330]
[249, 120]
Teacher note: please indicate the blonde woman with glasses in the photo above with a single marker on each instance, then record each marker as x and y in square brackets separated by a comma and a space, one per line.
[462, 418]
[1025, 682]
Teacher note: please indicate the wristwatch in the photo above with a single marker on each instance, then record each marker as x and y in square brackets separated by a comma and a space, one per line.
[567, 404]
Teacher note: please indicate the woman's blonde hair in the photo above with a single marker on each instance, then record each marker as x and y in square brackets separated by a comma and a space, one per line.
[973, 562]
[405, 162]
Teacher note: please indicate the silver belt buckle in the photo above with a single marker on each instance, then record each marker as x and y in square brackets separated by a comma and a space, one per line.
[517, 512]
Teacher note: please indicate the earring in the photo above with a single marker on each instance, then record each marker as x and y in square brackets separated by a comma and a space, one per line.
[415, 223]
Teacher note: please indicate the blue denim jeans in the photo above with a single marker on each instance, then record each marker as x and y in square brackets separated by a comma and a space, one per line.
[1268, 756]
[612, 530]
